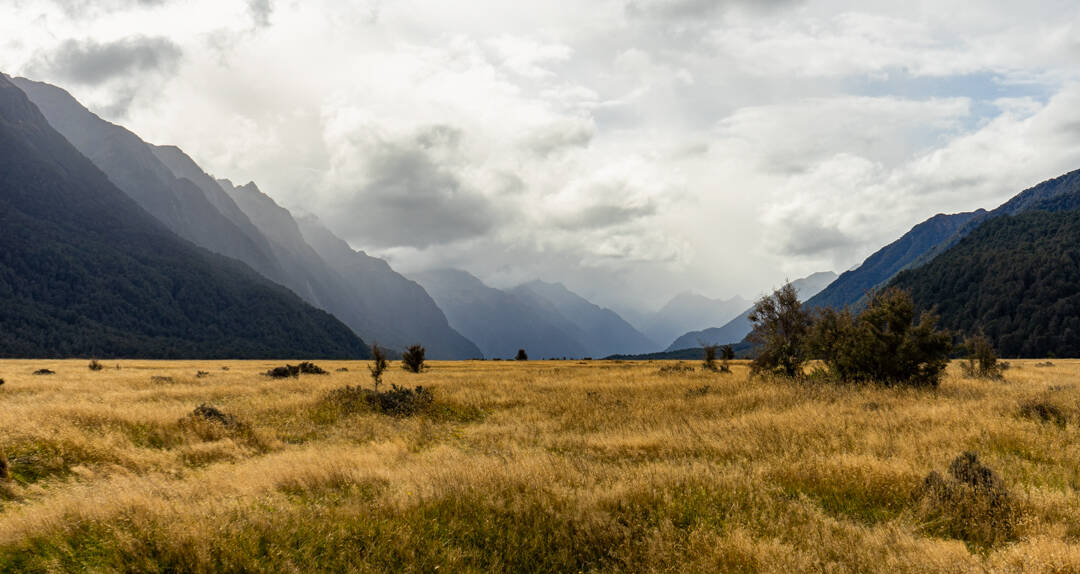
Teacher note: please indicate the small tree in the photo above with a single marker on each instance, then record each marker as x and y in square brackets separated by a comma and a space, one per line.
[521, 355]
[727, 354]
[709, 360]
[95, 365]
[412, 360]
[780, 328]
[378, 366]
[982, 360]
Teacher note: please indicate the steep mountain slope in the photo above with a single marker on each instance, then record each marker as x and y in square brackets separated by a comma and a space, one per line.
[1015, 277]
[85, 271]
[134, 168]
[889, 260]
[689, 312]
[601, 330]
[498, 322]
[400, 311]
[738, 328]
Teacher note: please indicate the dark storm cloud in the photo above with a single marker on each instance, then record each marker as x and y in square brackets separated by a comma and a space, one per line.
[409, 200]
[809, 238]
[91, 63]
[261, 10]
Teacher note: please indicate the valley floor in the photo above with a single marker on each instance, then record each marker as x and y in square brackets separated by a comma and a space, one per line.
[534, 466]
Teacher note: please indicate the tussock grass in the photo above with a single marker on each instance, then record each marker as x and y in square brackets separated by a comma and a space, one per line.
[542, 467]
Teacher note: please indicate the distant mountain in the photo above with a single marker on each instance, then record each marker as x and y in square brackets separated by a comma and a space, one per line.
[688, 312]
[601, 330]
[85, 271]
[738, 328]
[850, 287]
[246, 224]
[1015, 277]
[400, 311]
[133, 167]
[929, 239]
[500, 323]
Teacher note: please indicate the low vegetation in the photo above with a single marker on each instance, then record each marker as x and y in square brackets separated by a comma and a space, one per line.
[412, 359]
[553, 466]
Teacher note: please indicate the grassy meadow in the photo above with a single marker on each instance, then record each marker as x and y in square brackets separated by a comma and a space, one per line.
[564, 466]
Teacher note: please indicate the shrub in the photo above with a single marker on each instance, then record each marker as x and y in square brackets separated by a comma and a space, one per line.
[44, 372]
[162, 380]
[215, 415]
[284, 372]
[95, 365]
[780, 328]
[202, 374]
[1, 382]
[883, 344]
[1044, 411]
[709, 360]
[343, 370]
[412, 359]
[972, 504]
[5, 469]
[677, 368]
[398, 401]
[308, 368]
[982, 361]
[378, 366]
[521, 355]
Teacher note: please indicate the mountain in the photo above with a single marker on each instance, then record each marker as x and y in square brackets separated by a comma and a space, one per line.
[688, 312]
[134, 168]
[400, 311]
[850, 287]
[500, 323]
[738, 328]
[85, 271]
[931, 238]
[601, 330]
[1015, 277]
[246, 224]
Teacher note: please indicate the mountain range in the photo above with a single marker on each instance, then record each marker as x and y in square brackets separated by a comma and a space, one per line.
[738, 328]
[85, 271]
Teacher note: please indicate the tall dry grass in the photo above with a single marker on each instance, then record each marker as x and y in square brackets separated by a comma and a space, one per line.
[527, 466]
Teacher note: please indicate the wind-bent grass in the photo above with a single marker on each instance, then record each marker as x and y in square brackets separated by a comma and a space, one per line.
[523, 466]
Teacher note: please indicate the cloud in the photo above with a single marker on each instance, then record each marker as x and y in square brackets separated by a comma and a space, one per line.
[86, 8]
[405, 198]
[89, 62]
[261, 10]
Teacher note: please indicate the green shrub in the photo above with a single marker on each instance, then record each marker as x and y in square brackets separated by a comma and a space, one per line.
[398, 401]
[412, 359]
[521, 355]
[95, 365]
[378, 366]
[44, 372]
[982, 361]
[285, 372]
[883, 344]
[308, 368]
[1044, 411]
[708, 362]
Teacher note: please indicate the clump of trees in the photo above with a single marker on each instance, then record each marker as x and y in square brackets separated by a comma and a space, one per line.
[95, 365]
[521, 355]
[412, 359]
[885, 343]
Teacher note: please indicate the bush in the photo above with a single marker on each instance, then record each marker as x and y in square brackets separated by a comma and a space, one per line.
[378, 366]
[412, 359]
[677, 368]
[982, 361]
[972, 504]
[308, 368]
[215, 415]
[5, 469]
[398, 401]
[780, 329]
[95, 365]
[162, 380]
[285, 372]
[521, 355]
[202, 374]
[709, 360]
[1044, 411]
[44, 372]
[1, 382]
[883, 344]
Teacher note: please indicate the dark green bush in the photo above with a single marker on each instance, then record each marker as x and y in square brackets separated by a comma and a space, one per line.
[708, 361]
[521, 355]
[982, 361]
[44, 372]
[1044, 411]
[378, 366]
[213, 414]
[285, 372]
[95, 365]
[308, 368]
[412, 359]
[398, 401]
[883, 344]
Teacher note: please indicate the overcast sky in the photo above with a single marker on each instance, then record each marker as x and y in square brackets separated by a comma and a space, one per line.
[632, 149]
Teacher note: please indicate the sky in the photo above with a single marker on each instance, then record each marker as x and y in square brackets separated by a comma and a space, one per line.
[631, 149]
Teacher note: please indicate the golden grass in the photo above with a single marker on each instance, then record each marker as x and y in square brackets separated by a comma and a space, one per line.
[524, 466]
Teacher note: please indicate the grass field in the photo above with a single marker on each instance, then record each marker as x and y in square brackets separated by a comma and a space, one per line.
[534, 467]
